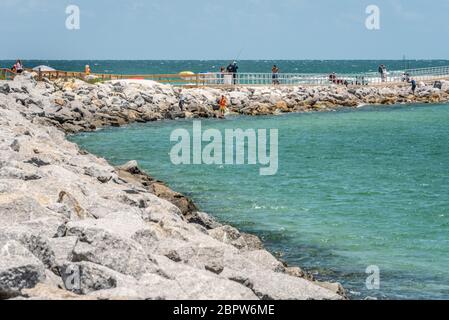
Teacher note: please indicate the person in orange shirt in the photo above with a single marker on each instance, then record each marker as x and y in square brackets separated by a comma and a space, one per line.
[223, 103]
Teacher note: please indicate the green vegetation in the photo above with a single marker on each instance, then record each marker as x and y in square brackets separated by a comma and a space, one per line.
[94, 81]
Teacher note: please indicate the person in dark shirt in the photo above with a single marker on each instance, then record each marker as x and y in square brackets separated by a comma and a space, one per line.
[383, 72]
[275, 71]
[233, 68]
[182, 101]
[413, 82]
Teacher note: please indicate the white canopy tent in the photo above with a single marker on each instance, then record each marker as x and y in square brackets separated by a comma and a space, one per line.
[43, 68]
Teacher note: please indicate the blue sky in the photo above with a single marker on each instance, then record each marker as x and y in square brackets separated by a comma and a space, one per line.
[220, 29]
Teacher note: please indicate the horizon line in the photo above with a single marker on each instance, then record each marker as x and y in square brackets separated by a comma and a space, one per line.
[255, 59]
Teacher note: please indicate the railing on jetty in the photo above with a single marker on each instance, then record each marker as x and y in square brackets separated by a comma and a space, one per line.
[373, 78]
[7, 74]
[256, 79]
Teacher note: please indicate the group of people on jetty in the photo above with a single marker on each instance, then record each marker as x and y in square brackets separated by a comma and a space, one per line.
[232, 69]
[405, 77]
[382, 70]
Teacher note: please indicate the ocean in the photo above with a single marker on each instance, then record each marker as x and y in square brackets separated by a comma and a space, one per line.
[357, 190]
[198, 66]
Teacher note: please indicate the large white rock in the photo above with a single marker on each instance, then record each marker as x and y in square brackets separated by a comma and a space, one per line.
[19, 269]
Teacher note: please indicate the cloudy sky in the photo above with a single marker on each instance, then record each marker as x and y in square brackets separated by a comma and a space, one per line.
[220, 29]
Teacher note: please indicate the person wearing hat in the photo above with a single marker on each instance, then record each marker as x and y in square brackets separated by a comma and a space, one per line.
[233, 68]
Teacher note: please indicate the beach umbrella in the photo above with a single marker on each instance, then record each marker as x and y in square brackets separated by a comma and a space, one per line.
[43, 68]
[187, 75]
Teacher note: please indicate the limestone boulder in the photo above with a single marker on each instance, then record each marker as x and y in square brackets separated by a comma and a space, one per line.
[19, 269]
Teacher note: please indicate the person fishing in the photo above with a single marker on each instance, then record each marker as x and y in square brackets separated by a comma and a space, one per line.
[233, 68]
[223, 103]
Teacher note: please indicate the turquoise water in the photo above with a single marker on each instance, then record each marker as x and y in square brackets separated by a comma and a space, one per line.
[354, 189]
[176, 66]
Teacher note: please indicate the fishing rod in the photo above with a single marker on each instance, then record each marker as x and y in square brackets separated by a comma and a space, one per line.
[240, 54]
[238, 57]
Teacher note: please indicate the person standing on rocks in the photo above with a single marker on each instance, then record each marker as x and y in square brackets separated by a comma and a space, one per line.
[413, 82]
[383, 72]
[182, 101]
[223, 103]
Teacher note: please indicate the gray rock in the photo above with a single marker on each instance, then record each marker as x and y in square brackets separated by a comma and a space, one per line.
[102, 175]
[5, 88]
[36, 244]
[252, 242]
[61, 115]
[131, 167]
[205, 220]
[53, 280]
[334, 287]
[268, 285]
[94, 245]
[228, 235]
[69, 96]
[50, 227]
[37, 162]
[44, 291]
[199, 285]
[86, 277]
[19, 269]
[21, 174]
[70, 206]
[21, 209]
[264, 259]
[63, 249]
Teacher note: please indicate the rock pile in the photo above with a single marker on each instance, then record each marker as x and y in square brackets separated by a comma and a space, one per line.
[74, 227]
[76, 106]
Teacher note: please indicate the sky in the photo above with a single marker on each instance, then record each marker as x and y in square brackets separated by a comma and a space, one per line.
[223, 29]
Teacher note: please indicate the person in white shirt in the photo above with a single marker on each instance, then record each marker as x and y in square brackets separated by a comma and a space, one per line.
[18, 67]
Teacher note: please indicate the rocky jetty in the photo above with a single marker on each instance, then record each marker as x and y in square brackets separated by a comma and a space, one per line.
[75, 106]
[74, 227]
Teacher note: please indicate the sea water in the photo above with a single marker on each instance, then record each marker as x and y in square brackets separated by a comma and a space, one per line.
[354, 189]
[201, 66]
